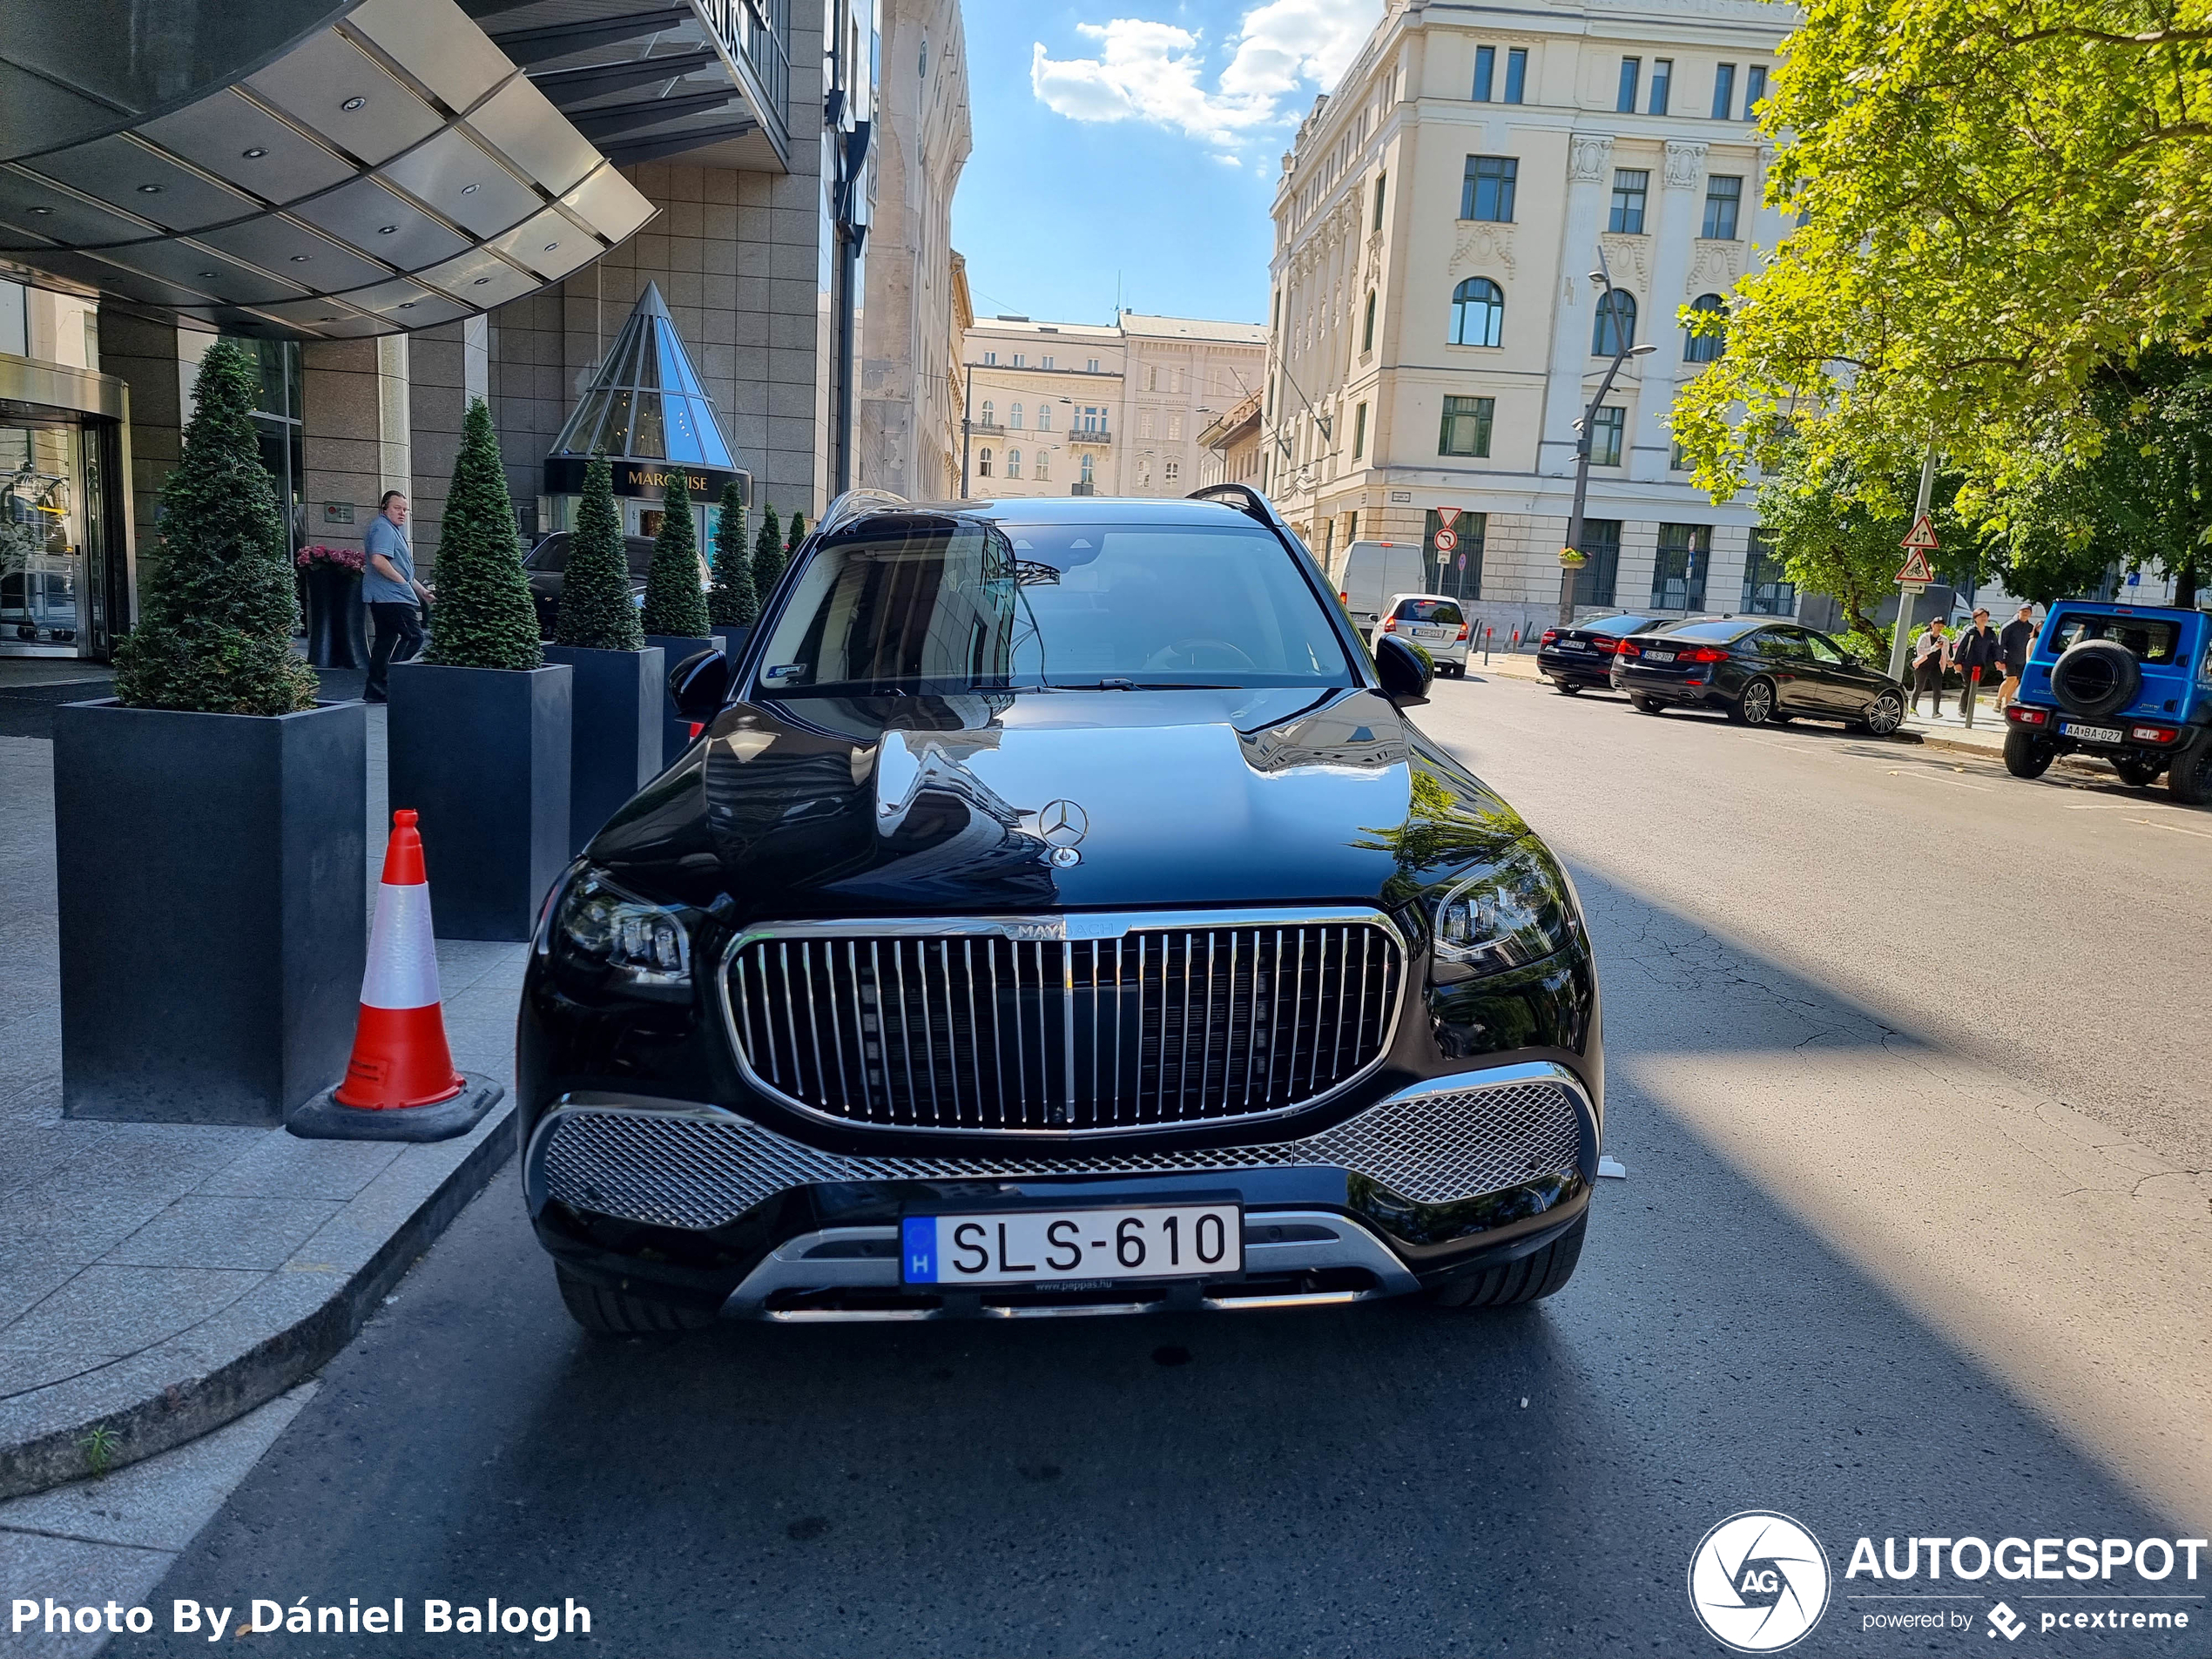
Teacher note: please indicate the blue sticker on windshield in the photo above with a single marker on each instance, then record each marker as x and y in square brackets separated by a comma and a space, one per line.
[786, 671]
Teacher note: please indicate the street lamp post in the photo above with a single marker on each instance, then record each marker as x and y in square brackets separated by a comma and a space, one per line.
[966, 427]
[1621, 352]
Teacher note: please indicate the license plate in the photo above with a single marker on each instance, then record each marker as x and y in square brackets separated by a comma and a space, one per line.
[1057, 1246]
[2094, 733]
[1659, 656]
[1570, 644]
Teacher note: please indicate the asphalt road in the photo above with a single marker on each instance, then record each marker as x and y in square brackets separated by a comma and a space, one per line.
[1910, 1079]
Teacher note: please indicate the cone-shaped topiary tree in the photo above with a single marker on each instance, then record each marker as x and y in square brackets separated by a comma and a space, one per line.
[734, 602]
[767, 554]
[673, 602]
[595, 608]
[218, 606]
[483, 617]
[798, 535]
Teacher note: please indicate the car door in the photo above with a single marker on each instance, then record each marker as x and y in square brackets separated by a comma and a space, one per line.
[1782, 654]
[1846, 689]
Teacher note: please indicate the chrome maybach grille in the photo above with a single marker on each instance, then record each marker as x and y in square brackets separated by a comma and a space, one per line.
[986, 1030]
[670, 1169]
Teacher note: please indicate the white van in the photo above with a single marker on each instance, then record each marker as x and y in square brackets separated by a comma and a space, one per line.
[1375, 570]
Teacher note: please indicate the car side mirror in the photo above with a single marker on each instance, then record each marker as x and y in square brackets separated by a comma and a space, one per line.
[697, 685]
[1406, 673]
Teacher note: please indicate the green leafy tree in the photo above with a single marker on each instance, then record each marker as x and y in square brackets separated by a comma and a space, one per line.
[734, 602]
[1996, 200]
[767, 554]
[673, 602]
[596, 607]
[483, 618]
[217, 606]
[798, 535]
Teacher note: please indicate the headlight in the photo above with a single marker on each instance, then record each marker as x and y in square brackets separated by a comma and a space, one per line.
[1506, 915]
[604, 938]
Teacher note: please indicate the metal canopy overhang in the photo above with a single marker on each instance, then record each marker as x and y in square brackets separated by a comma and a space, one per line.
[388, 168]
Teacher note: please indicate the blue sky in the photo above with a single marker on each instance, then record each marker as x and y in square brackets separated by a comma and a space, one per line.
[1141, 138]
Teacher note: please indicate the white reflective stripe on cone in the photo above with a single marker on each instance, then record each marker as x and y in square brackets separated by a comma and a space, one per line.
[403, 953]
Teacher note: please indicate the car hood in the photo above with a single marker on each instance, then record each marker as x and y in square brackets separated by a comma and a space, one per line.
[883, 806]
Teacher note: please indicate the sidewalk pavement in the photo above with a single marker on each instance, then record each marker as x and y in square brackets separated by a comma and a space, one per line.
[159, 1281]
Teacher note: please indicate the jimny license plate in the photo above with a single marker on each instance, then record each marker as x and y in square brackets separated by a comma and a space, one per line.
[1050, 1246]
[2093, 733]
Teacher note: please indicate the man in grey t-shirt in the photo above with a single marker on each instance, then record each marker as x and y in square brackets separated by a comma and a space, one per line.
[393, 596]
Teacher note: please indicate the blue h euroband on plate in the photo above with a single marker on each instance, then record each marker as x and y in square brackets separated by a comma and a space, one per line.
[918, 1245]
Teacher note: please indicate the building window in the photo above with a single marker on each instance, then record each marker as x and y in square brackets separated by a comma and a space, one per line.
[1350, 528]
[1368, 327]
[1631, 186]
[1144, 423]
[1359, 432]
[1014, 463]
[990, 413]
[1662, 74]
[1091, 367]
[1044, 417]
[1616, 324]
[990, 360]
[1174, 426]
[1459, 573]
[1677, 460]
[983, 463]
[1486, 190]
[1172, 471]
[1516, 74]
[1485, 63]
[1044, 464]
[1678, 573]
[1466, 427]
[1626, 103]
[1724, 91]
[1767, 590]
[1605, 436]
[1381, 179]
[1020, 360]
[1086, 468]
[1753, 90]
[1014, 418]
[1703, 348]
[1601, 550]
[1152, 379]
[1478, 312]
[1048, 362]
[1722, 197]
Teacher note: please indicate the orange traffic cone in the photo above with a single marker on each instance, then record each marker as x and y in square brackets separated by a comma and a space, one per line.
[400, 1084]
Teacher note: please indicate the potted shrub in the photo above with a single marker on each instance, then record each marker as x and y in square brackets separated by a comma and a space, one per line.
[337, 623]
[615, 741]
[210, 820]
[479, 730]
[732, 604]
[675, 615]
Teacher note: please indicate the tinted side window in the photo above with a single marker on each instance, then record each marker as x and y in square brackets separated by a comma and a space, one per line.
[1825, 650]
[550, 555]
[1779, 646]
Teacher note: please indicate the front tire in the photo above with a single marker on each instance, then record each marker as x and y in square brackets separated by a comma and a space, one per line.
[615, 1313]
[1884, 714]
[2190, 775]
[2027, 755]
[1537, 1275]
[1754, 706]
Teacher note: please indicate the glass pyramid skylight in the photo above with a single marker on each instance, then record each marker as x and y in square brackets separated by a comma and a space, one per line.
[646, 403]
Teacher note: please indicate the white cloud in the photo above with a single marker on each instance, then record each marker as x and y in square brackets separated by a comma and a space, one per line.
[1156, 72]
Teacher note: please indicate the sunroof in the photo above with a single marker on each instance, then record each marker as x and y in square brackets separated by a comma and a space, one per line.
[646, 403]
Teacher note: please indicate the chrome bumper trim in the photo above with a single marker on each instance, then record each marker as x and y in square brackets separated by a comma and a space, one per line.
[866, 1259]
[697, 1168]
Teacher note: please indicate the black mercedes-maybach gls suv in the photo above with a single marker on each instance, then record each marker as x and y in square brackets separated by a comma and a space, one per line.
[1057, 914]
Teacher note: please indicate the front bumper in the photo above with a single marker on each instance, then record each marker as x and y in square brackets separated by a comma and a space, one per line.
[703, 1207]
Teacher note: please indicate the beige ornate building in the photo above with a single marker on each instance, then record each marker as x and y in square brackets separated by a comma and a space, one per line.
[1437, 334]
[1088, 408]
[1231, 443]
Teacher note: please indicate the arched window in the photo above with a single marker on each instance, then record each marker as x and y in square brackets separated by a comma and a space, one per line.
[1704, 348]
[982, 463]
[1173, 470]
[1014, 419]
[1014, 463]
[1044, 417]
[1086, 469]
[1616, 324]
[1044, 464]
[990, 412]
[1478, 312]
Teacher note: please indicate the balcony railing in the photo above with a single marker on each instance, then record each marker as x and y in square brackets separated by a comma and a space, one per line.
[1078, 435]
[754, 32]
[1082, 490]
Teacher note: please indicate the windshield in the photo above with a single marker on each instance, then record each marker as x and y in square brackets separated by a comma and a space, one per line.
[552, 554]
[943, 610]
[2153, 639]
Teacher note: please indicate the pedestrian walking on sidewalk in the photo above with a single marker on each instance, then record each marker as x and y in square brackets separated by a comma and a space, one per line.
[1931, 656]
[1977, 655]
[2016, 641]
[395, 599]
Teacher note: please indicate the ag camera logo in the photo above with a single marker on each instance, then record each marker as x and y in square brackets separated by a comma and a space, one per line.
[1759, 1582]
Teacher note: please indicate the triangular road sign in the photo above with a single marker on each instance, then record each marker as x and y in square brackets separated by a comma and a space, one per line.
[1923, 536]
[1916, 568]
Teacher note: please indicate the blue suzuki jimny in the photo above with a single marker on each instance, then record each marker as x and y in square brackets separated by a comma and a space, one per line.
[2131, 683]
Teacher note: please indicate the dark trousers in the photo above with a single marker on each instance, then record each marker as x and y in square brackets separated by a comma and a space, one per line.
[1928, 677]
[399, 636]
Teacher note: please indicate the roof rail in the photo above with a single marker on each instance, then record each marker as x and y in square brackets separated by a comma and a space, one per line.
[855, 504]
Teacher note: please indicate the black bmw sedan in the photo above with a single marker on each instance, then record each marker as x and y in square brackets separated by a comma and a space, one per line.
[1582, 655]
[1058, 914]
[1757, 670]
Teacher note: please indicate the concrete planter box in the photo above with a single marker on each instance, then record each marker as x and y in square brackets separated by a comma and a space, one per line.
[211, 875]
[732, 641]
[676, 735]
[483, 754]
[615, 743]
